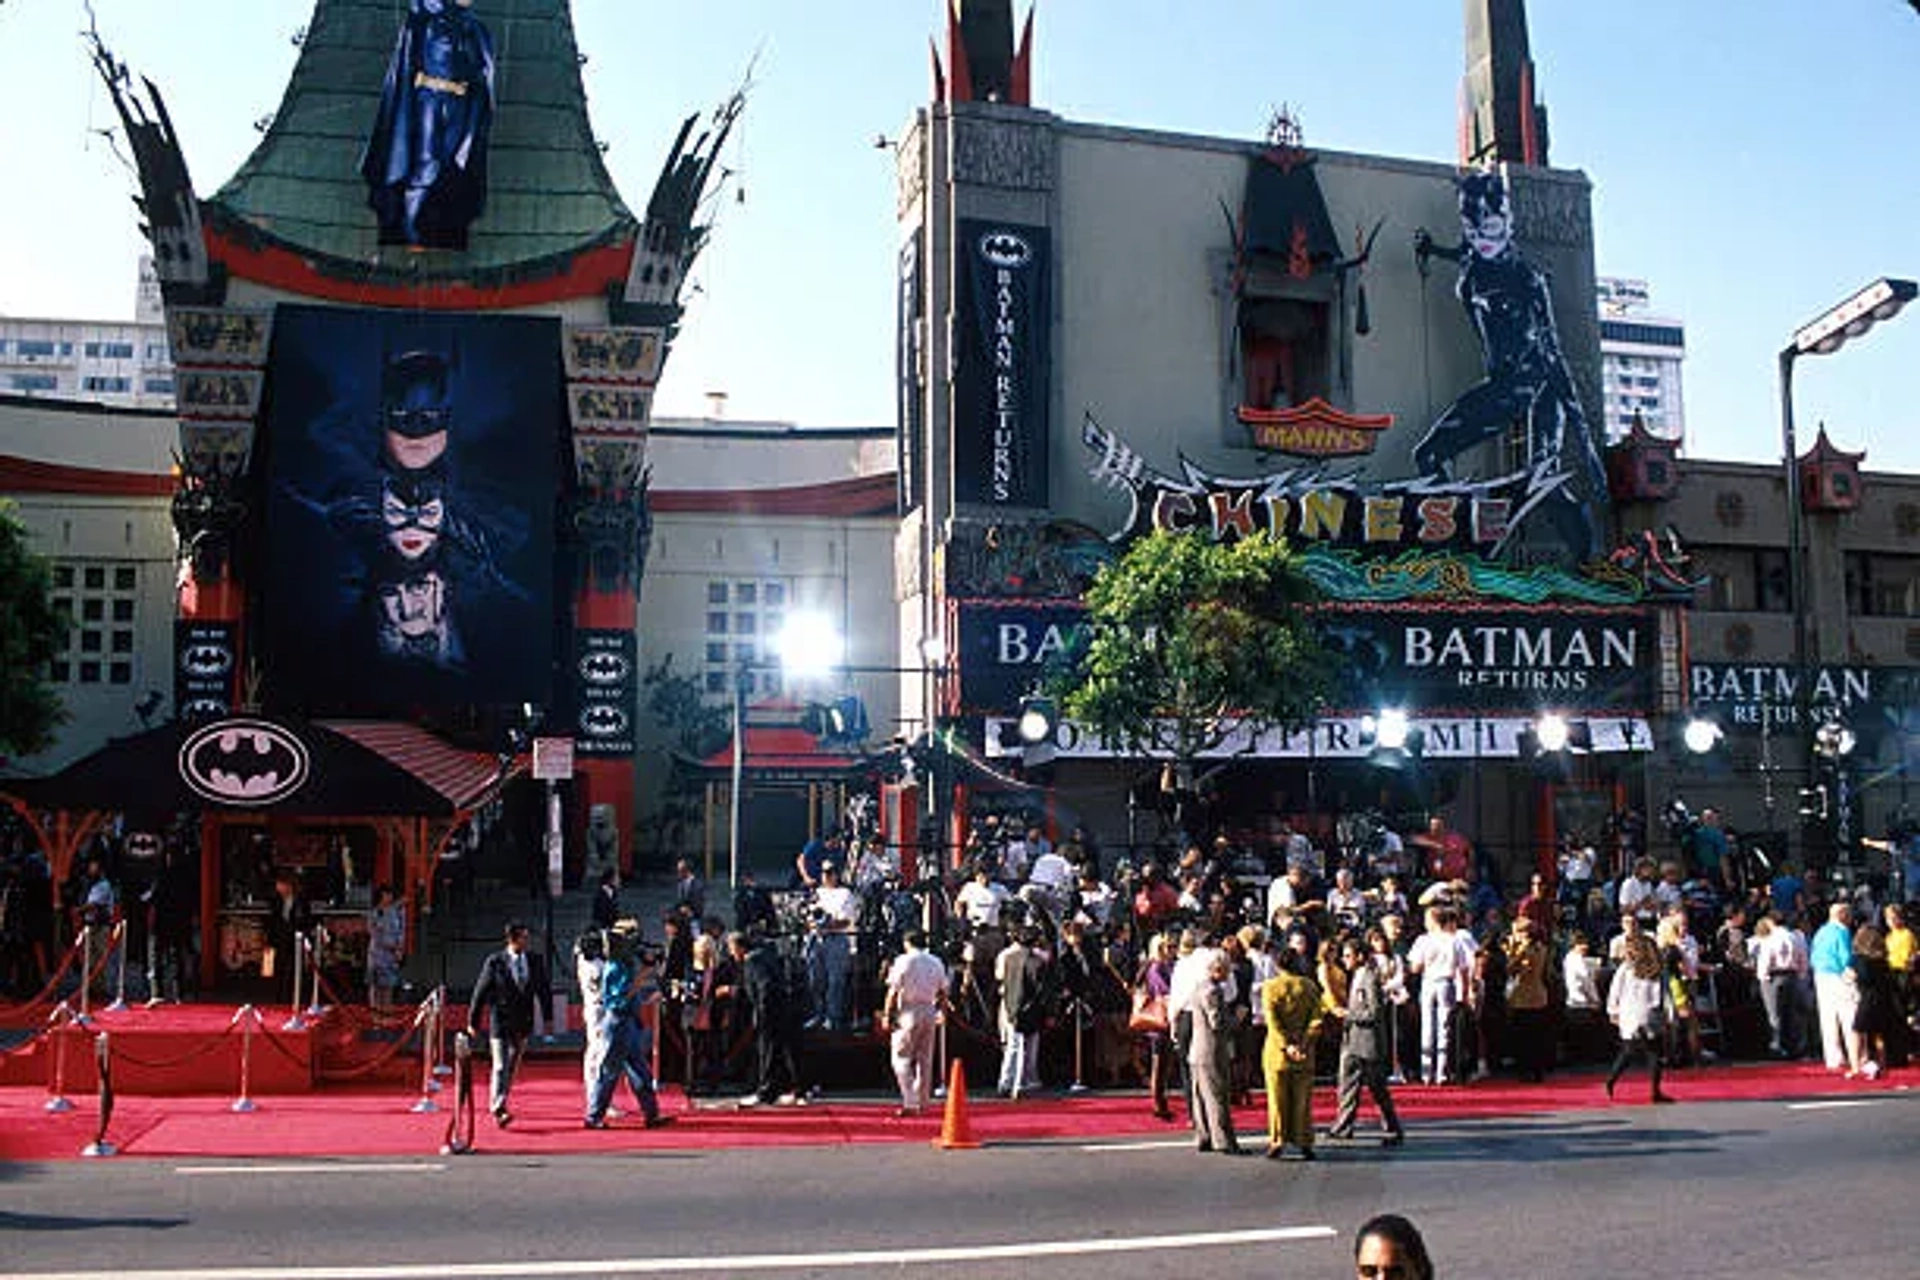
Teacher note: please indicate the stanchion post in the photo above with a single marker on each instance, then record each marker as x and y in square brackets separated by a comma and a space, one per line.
[103, 1061]
[1078, 1009]
[314, 1008]
[119, 944]
[940, 1051]
[429, 1050]
[295, 1022]
[84, 1017]
[440, 1065]
[57, 1081]
[248, 1017]
[457, 1143]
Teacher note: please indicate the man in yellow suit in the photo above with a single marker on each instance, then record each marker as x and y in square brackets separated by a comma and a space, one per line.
[1293, 1007]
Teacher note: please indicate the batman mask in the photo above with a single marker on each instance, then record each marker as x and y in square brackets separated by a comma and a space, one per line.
[243, 762]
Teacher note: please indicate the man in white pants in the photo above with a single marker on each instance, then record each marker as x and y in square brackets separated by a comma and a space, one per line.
[1443, 967]
[916, 991]
[1831, 955]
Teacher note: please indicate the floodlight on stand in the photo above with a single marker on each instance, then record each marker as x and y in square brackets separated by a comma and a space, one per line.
[1391, 728]
[1552, 732]
[1702, 735]
[809, 645]
[1037, 719]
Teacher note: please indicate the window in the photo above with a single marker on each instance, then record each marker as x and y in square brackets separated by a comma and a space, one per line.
[34, 347]
[35, 382]
[156, 351]
[95, 593]
[94, 382]
[109, 350]
[716, 624]
[1880, 586]
[744, 624]
[746, 593]
[158, 386]
[1771, 592]
[716, 682]
[716, 652]
[776, 595]
[716, 593]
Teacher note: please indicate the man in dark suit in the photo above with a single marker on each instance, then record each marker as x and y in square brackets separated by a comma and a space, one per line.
[511, 981]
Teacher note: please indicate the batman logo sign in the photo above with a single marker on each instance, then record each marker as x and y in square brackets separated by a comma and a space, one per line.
[203, 708]
[605, 667]
[206, 661]
[603, 720]
[1005, 249]
[243, 762]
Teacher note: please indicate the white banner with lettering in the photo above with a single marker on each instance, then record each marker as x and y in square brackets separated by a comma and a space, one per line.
[1341, 739]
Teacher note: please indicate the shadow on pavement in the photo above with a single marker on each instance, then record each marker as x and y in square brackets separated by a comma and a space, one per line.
[48, 1222]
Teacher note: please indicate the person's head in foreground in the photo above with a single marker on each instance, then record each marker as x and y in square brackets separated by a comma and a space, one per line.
[1388, 1247]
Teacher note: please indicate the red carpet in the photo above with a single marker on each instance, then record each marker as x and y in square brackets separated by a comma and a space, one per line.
[174, 1049]
[366, 1122]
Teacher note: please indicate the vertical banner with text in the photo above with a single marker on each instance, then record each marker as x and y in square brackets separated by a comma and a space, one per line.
[1003, 317]
[604, 679]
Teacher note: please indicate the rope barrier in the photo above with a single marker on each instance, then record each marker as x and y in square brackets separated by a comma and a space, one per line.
[390, 1052]
[200, 1050]
[48, 993]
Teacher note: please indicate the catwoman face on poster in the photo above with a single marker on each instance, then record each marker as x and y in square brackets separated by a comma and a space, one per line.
[410, 520]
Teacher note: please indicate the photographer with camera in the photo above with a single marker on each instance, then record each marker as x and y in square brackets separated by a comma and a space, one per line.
[627, 984]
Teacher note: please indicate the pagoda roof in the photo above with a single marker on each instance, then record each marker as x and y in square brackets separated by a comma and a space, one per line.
[300, 198]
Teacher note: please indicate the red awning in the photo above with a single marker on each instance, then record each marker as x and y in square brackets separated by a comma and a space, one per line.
[463, 777]
[783, 747]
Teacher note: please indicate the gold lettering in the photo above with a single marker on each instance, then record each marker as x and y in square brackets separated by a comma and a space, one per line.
[1322, 514]
[1383, 519]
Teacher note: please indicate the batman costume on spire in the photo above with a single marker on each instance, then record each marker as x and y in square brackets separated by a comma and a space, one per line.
[426, 160]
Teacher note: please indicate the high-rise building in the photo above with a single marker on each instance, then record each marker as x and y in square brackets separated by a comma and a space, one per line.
[1640, 358]
[124, 363]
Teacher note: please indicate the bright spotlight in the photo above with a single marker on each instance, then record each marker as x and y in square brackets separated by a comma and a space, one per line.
[1552, 732]
[1701, 735]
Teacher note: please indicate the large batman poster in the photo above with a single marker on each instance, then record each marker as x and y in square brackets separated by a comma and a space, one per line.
[412, 472]
[1002, 377]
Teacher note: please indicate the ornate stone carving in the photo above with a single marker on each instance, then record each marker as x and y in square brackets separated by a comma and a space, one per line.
[206, 515]
[612, 517]
[910, 167]
[990, 152]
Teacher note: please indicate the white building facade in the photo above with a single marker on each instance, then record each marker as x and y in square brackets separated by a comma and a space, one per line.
[1640, 358]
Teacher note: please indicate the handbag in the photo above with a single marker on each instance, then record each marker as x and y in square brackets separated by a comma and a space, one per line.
[1149, 1012]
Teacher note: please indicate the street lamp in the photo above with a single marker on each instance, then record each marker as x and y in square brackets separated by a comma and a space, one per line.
[1881, 300]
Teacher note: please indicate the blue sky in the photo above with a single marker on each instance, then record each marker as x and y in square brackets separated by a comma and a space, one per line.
[1752, 159]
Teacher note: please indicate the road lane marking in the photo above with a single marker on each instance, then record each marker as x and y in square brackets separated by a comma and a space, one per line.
[317, 1166]
[709, 1265]
[1157, 1144]
[1840, 1104]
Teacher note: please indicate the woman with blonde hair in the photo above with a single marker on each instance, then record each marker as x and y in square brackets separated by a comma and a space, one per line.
[1155, 981]
[1637, 1006]
[1680, 959]
[1528, 1025]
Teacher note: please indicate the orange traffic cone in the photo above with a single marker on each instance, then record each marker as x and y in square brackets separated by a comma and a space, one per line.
[956, 1130]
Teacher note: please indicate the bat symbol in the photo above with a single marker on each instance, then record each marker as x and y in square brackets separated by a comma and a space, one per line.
[243, 762]
[604, 668]
[206, 660]
[1005, 249]
[603, 721]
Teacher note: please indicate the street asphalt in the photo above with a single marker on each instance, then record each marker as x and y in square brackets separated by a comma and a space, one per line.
[1809, 1188]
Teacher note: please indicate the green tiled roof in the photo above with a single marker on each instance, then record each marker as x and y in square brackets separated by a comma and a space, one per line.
[548, 193]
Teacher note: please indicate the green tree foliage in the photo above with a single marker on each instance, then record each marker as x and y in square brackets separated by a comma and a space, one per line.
[31, 633]
[1192, 640]
[694, 727]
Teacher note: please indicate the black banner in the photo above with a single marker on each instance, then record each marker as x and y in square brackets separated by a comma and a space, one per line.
[1740, 696]
[1006, 650]
[205, 663]
[1490, 661]
[1002, 367]
[604, 679]
[907, 338]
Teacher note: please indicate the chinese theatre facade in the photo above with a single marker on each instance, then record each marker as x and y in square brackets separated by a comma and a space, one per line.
[1391, 363]
[418, 312]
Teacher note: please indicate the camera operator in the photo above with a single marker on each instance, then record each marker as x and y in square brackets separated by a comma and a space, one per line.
[836, 916]
[627, 985]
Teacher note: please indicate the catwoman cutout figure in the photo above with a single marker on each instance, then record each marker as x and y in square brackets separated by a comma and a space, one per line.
[1510, 306]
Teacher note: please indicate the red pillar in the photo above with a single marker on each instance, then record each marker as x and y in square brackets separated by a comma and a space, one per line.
[607, 779]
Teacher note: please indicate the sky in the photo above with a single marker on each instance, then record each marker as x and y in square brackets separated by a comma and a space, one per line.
[1753, 160]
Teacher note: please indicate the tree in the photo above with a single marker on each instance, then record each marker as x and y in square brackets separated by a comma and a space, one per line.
[694, 729]
[1193, 641]
[32, 631]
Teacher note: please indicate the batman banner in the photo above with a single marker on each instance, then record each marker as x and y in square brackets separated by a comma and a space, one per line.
[604, 680]
[1003, 368]
[205, 660]
[413, 462]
